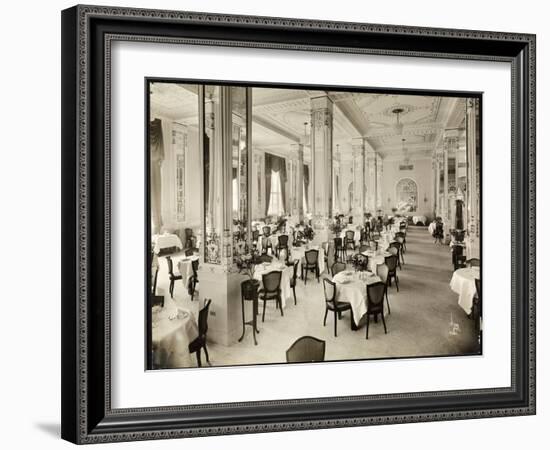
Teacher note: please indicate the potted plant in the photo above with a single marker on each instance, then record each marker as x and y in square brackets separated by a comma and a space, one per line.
[247, 264]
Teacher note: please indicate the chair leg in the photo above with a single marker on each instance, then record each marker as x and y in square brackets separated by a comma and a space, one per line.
[335, 324]
[305, 275]
[294, 293]
[388, 301]
[280, 302]
[384, 322]
[325, 319]
[317, 272]
[397, 282]
[263, 314]
[172, 288]
[368, 321]
[199, 357]
[206, 350]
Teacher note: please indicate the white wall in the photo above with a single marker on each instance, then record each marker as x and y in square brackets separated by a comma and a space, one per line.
[31, 211]
[421, 174]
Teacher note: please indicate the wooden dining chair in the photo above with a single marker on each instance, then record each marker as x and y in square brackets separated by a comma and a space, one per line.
[391, 262]
[194, 278]
[306, 349]
[397, 245]
[375, 303]
[382, 271]
[200, 342]
[283, 244]
[294, 277]
[311, 264]
[173, 277]
[271, 290]
[331, 304]
[337, 267]
[349, 241]
[339, 248]
[402, 234]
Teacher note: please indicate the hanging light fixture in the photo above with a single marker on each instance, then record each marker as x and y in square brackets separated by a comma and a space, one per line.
[398, 127]
[405, 151]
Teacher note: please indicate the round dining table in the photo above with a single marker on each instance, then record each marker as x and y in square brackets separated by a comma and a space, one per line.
[173, 329]
[351, 287]
[375, 259]
[185, 267]
[463, 284]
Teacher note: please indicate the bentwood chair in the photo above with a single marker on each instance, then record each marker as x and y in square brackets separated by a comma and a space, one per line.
[306, 349]
[339, 248]
[293, 279]
[331, 304]
[271, 290]
[382, 271]
[194, 278]
[338, 267]
[200, 342]
[402, 234]
[283, 244]
[472, 262]
[255, 237]
[397, 246]
[311, 264]
[438, 233]
[172, 276]
[375, 303]
[156, 299]
[391, 262]
[349, 241]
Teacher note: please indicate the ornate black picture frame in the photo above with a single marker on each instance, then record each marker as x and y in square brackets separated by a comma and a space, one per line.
[87, 35]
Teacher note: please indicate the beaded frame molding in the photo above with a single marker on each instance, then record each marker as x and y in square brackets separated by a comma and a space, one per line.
[87, 35]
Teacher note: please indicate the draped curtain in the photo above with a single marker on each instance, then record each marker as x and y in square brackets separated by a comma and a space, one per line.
[277, 165]
[156, 149]
[306, 187]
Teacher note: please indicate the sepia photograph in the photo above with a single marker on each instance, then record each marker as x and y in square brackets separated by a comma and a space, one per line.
[304, 224]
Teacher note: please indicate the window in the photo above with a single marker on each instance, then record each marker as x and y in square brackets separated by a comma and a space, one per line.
[276, 206]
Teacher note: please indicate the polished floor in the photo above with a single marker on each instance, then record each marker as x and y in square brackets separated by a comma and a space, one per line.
[418, 325]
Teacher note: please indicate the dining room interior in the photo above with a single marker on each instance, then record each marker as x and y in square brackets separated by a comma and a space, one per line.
[305, 224]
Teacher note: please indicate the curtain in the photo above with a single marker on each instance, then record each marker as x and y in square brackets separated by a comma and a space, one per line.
[306, 187]
[277, 165]
[156, 155]
[268, 163]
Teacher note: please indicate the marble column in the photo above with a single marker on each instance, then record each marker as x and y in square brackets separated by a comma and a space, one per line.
[358, 154]
[298, 191]
[473, 186]
[321, 170]
[370, 175]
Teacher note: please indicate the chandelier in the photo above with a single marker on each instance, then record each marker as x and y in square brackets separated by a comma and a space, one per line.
[398, 127]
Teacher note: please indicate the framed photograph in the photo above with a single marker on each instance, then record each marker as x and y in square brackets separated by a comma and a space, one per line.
[280, 224]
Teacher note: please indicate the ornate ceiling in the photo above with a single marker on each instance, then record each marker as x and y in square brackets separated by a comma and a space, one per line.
[279, 116]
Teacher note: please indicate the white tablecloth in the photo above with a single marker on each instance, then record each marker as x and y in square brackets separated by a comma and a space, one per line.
[186, 269]
[463, 283]
[299, 253]
[354, 291]
[422, 219]
[375, 260]
[286, 292]
[166, 240]
[171, 336]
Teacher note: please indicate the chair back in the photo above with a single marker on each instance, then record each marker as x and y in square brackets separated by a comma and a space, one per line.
[272, 281]
[255, 235]
[189, 252]
[393, 250]
[473, 262]
[478, 288]
[382, 271]
[283, 240]
[195, 267]
[400, 240]
[375, 297]
[391, 262]
[329, 288]
[338, 267]
[203, 318]
[306, 349]
[311, 256]
[170, 265]
[266, 231]
[338, 243]
[400, 234]
[396, 244]
[350, 235]
[331, 255]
